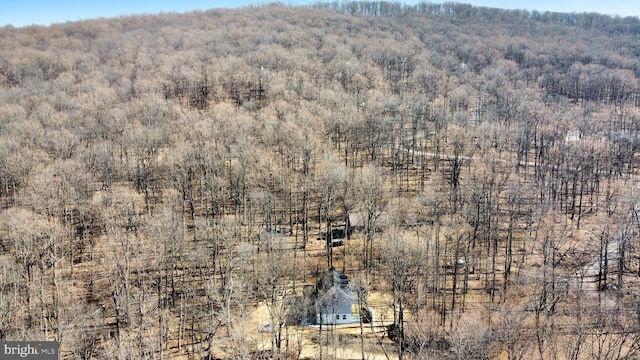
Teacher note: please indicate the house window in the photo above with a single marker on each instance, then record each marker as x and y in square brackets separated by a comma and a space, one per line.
[338, 317]
[344, 317]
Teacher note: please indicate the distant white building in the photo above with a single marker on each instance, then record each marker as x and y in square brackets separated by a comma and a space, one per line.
[573, 136]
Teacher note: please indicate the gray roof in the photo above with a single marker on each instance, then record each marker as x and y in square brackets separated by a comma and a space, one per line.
[338, 295]
[330, 279]
[335, 293]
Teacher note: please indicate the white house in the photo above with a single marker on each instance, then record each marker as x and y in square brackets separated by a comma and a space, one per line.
[336, 299]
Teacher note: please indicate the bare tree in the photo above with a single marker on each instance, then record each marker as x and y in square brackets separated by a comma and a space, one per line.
[32, 240]
[274, 283]
[403, 264]
[512, 334]
[372, 199]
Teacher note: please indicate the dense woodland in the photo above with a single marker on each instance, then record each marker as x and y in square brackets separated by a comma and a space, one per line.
[164, 176]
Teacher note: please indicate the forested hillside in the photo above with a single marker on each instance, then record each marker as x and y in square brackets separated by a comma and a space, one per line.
[169, 183]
